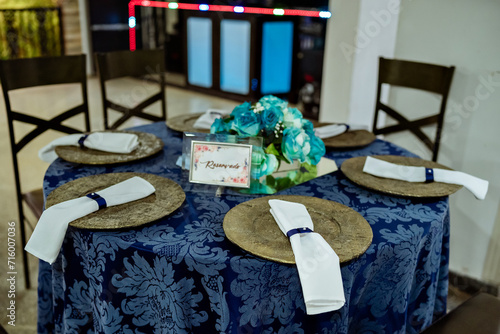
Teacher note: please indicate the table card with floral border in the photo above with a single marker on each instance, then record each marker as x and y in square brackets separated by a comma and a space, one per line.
[220, 164]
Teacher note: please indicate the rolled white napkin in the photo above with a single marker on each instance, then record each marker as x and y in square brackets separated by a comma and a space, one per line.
[48, 236]
[206, 119]
[333, 130]
[476, 186]
[317, 263]
[114, 142]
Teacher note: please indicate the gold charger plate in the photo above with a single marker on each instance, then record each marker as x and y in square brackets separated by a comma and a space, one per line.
[167, 198]
[353, 170]
[149, 145]
[349, 139]
[251, 226]
[185, 123]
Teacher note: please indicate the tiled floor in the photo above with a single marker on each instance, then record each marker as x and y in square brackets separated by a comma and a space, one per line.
[42, 100]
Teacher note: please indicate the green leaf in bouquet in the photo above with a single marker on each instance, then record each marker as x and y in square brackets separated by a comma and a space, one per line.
[283, 183]
[270, 181]
[306, 172]
[271, 149]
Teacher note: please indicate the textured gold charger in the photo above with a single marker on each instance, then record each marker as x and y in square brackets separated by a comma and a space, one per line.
[349, 139]
[353, 169]
[185, 123]
[167, 198]
[251, 226]
[149, 145]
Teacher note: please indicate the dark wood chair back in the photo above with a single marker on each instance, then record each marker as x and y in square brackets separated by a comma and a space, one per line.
[31, 72]
[427, 77]
[139, 63]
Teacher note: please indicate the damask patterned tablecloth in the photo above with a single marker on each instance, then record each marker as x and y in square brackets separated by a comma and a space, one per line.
[181, 275]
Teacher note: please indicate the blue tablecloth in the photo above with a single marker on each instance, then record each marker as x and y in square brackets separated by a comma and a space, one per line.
[181, 275]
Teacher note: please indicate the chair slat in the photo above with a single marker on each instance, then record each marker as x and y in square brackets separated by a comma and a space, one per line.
[421, 76]
[139, 63]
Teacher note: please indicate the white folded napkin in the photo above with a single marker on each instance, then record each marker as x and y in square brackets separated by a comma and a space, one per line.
[333, 130]
[205, 120]
[317, 263]
[476, 186]
[48, 236]
[114, 142]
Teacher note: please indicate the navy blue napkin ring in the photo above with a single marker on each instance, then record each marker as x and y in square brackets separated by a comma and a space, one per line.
[81, 140]
[429, 175]
[100, 201]
[346, 127]
[298, 230]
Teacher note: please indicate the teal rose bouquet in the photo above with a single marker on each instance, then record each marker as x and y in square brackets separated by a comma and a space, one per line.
[288, 137]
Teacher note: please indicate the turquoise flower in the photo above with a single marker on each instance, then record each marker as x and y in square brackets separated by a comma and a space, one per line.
[307, 126]
[292, 118]
[295, 144]
[242, 108]
[219, 126]
[317, 150]
[270, 118]
[246, 123]
[262, 163]
[270, 100]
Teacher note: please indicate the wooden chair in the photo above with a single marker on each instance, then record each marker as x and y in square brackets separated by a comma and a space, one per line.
[479, 314]
[421, 76]
[30, 72]
[139, 63]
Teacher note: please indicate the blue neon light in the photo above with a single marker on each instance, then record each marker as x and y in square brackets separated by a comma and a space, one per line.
[199, 31]
[235, 56]
[325, 14]
[131, 22]
[277, 49]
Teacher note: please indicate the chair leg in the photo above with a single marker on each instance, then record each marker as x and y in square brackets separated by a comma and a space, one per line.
[375, 119]
[24, 255]
[22, 228]
[27, 281]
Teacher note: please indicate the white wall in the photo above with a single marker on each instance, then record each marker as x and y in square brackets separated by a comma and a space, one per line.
[465, 34]
[462, 33]
[337, 68]
[359, 32]
[85, 34]
[376, 36]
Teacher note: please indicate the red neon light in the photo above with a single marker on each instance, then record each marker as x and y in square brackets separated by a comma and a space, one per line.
[211, 8]
[132, 39]
[220, 8]
[223, 8]
[142, 3]
[257, 10]
[298, 12]
[188, 6]
[131, 31]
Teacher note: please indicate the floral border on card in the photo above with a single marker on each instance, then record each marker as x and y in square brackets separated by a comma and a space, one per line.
[237, 173]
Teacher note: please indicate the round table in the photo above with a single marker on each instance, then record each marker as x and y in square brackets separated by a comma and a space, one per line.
[181, 275]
